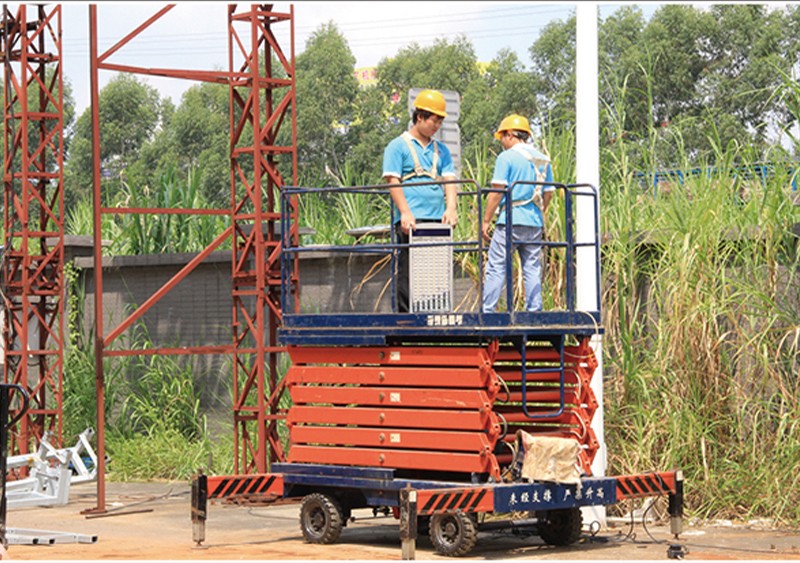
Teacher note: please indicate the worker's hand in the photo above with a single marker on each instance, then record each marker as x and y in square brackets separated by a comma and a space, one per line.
[450, 217]
[408, 222]
[486, 228]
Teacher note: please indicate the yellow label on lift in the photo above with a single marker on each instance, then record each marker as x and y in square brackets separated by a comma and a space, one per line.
[394, 438]
[394, 397]
[394, 356]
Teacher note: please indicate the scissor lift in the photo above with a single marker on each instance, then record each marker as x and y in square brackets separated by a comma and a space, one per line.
[421, 413]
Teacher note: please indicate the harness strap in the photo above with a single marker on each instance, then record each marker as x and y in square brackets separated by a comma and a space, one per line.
[418, 169]
[541, 176]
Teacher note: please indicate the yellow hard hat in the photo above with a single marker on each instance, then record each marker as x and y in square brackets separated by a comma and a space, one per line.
[513, 122]
[432, 101]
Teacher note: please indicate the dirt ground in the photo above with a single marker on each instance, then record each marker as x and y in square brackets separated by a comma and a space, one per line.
[151, 521]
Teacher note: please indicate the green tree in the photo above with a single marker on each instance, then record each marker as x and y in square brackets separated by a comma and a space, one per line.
[130, 113]
[504, 87]
[371, 131]
[194, 137]
[746, 47]
[681, 86]
[623, 66]
[553, 72]
[673, 41]
[442, 66]
[326, 91]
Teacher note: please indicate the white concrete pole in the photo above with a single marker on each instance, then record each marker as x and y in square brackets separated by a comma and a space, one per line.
[588, 172]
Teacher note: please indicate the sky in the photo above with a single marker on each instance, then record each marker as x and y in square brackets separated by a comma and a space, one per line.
[193, 34]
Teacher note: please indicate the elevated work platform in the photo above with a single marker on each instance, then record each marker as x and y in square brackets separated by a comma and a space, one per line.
[445, 391]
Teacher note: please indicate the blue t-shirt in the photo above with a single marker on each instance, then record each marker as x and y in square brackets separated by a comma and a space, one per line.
[426, 201]
[513, 166]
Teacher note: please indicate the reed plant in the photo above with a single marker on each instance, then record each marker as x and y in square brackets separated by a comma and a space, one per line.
[152, 233]
[331, 214]
[80, 395]
[154, 426]
[701, 350]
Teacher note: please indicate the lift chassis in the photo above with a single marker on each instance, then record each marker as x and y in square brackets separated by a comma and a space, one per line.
[450, 511]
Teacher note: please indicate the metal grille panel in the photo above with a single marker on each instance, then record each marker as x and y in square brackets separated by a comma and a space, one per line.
[431, 269]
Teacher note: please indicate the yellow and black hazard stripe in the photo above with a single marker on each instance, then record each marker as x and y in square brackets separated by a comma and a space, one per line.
[465, 500]
[645, 485]
[224, 487]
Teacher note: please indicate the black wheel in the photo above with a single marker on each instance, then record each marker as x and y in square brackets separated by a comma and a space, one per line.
[453, 534]
[321, 519]
[560, 527]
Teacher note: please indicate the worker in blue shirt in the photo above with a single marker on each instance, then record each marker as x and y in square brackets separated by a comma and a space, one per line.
[519, 162]
[411, 160]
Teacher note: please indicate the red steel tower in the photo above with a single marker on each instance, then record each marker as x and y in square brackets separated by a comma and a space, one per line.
[32, 268]
[262, 98]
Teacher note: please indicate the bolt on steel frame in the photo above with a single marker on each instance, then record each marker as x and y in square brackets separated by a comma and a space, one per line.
[260, 105]
[32, 268]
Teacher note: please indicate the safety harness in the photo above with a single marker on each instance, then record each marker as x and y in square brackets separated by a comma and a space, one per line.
[541, 176]
[418, 169]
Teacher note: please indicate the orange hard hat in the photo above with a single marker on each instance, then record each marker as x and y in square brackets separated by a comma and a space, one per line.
[513, 122]
[432, 101]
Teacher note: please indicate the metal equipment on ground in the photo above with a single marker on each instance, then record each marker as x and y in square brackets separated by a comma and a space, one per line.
[46, 487]
[51, 471]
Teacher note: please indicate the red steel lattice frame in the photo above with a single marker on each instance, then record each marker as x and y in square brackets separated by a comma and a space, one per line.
[257, 114]
[256, 255]
[32, 269]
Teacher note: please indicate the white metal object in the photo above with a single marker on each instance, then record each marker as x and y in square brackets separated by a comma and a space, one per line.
[47, 486]
[51, 472]
[431, 268]
[74, 456]
[25, 536]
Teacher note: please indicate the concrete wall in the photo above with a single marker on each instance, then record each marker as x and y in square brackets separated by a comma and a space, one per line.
[198, 311]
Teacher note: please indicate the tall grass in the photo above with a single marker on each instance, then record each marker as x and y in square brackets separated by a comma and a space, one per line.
[331, 214]
[80, 397]
[154, 427]
[701, 351]
[156, 233]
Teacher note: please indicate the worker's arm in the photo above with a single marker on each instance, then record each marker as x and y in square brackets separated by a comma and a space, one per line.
[547, 194]
[546, 200]
[492, 203]
[450, 216]
[407, 220]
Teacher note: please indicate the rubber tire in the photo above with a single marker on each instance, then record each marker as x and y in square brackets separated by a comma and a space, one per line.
[561, 526]
[321, 518]
[453, 534]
